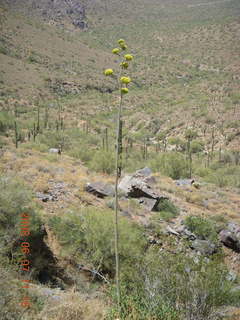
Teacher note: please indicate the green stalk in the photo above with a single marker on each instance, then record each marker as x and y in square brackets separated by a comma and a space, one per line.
[116, 230]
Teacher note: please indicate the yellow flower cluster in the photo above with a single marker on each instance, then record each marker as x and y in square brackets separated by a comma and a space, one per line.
[124, 65]
[128, 57]
[108, 72]
[124, 90]
[125, 80]
[115, 51]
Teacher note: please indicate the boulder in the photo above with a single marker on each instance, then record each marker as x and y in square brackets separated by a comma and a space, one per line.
[135, 186]
[205, 247]
[172, 231]
[230, 237]
[184, 182]
[148, 203]
[54, 150]
[45, 197]
[145, 172]
[100, 189]
[185, 233]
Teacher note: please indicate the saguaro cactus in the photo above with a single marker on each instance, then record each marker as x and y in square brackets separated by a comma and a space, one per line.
[16, 134]
[123, 83]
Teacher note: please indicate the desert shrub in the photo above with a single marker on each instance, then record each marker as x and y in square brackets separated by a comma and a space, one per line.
[203, 172]
[35, 146]
[219, 221]
[179, 143]
[2, 143]
[190, 134]
[82, 152]
[197, 146]
[89, 235]
[15, 198]
[225, 176]
[202, 227]
[55, 139]
[168, 206]
[218, 179]
[3, 50]
[175, 286]
[103, 161]
[6, 122]
[167, 210]
[171, 164]
[11, 294]
[233, 124]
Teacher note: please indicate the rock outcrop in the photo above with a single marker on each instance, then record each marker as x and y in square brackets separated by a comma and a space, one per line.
[230, 237]
[100, 189]
[138, 186]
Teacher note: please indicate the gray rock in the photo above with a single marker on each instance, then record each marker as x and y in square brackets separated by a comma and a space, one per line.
[145, 172]
[205, 247]
[183, 231]
[44, 196]
[172, 231]
[148, 203]
[184, 182]
[232, 276]
[100, 189]
[231, 238]
[54, 150]
[137, 188]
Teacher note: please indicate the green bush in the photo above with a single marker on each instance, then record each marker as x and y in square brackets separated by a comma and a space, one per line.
[11, 294]
[6, 121]
[175, 287]
[167, 210]
[103, 161]
[202, 227]
[2, 143]
[15, 198]
[171, 164]
[55, 139]
[35, 146]
[82, 152]
[197, 146]
[3, 50]
[88, 237]
[203, 172]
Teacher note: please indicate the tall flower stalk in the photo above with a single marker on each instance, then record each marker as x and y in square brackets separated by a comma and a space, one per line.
[123, 82]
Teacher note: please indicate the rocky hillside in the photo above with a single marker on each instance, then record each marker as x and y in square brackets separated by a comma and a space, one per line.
[55, 11]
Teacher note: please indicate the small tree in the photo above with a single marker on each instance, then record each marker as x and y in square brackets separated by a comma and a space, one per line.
[123, 81]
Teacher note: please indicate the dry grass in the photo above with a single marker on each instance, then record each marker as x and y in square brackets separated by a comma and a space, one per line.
[74, 307]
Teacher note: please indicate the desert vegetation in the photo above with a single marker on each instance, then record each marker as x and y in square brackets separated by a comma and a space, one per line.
[119, 136]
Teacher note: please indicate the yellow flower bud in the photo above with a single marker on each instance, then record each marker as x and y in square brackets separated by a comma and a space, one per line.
[115, 51]
[108, 72]
[124, 90]
[128, 57]
[124, 65]
[123, 46]
[121, 41]
[125, 80]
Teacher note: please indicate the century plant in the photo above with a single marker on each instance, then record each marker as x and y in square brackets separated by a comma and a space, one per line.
[123, 81]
